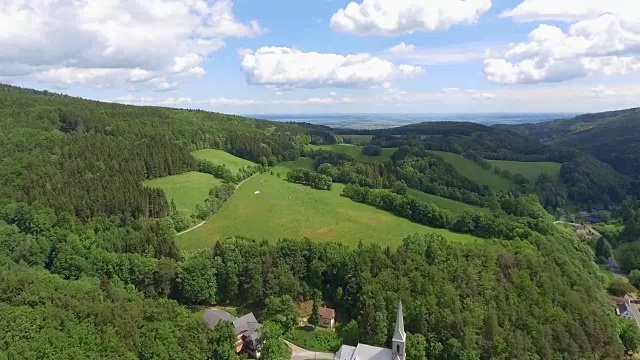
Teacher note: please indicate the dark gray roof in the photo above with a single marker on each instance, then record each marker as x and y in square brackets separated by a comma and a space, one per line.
[213, 316]
[247, 323]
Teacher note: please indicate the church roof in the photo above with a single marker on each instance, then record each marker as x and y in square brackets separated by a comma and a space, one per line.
[399, 334]
[363, 352]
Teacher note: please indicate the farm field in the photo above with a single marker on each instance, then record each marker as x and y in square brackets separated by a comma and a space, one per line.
[220, 157]
[356, 152]
[302, 162]
[187, 190]
[455, 207]
[283, 209]
[474, 171]
[530, 170]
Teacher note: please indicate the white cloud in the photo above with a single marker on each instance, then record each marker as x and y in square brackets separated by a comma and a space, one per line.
[396, 17]
[469, 93]
[569, 10]
[601, 91]
[285, 67]
[316, 101]
[148, 101]
[100, 43]
[401, 48]
[226, 101]
[604, 45]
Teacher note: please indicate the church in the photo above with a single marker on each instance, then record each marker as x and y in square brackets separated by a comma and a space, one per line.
[368, 352]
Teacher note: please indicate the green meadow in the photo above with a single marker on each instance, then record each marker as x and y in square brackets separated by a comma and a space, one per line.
[474, 171]
[220, 157]
[455, 207]
[530, 170]
[301, 162]
[358, 139]
[282, 209]
[356, 152]
[187, 190]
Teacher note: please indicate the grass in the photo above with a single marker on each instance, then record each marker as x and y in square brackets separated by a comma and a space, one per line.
[455, 207]
[356, 152]
[474, 171]
[220, 157]
[358, 139]
[314, 339]
[187, 190]
[530, 170]
[283, 209]
[302, 162]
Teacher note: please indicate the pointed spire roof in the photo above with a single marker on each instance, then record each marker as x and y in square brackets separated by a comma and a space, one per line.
[399, 334]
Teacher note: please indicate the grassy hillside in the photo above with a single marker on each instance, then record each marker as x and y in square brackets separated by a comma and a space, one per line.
[303, 163]
[612, 137]
[283, 209]
[356, 152]
[220, 157]
[358, 139]
[187, 190]
[530, 170]
[474, 171]
[455, 207]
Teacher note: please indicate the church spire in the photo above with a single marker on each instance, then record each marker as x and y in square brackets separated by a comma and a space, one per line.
[399, 334]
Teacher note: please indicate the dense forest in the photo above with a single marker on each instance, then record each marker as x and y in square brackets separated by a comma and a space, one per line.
[611, 137]
[89, 266]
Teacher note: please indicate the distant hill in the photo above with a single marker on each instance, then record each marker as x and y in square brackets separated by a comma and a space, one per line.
[612, 137]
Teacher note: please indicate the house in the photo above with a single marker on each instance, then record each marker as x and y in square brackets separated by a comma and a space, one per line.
[622, 308]
[585, 230]
[327, 317]
[368, 352]
[246, 328]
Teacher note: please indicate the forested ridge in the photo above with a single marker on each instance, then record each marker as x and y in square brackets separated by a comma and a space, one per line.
[89, 266]
[613, 137]
[583, 180]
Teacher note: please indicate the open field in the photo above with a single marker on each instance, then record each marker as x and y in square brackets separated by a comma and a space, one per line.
[302, 162]
[187, 190]
[356, 152]
[220, 157]
[474, 171]
[530, 170]
[455, 207]
[358, 139]
[283, 209]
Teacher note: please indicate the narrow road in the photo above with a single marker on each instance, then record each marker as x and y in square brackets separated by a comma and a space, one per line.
[298, 353]
[204, 222]
[615, 269]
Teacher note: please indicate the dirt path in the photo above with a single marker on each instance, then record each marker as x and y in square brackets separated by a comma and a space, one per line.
[204, 222]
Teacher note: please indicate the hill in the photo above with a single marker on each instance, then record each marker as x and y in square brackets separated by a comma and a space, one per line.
[474, 171]
[612, 137]
[355, 152]
[90, 267]
[285, 210]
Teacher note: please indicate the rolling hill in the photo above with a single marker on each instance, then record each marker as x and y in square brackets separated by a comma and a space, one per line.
[612, 137]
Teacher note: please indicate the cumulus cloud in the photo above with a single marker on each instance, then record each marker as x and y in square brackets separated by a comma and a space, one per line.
[601, 91]
[316, 100]
[470, 93]
[149, 101]
[109, 41]
[569, 10]
[396, 17]
[401, 48]
[286, 67]
[607, 44]
[226, 101]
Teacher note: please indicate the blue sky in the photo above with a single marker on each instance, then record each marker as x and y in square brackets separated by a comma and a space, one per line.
[329, 56]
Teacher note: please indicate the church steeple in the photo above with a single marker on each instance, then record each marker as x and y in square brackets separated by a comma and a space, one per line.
[399, 340]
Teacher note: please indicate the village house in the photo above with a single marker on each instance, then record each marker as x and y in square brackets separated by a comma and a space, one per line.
[368, 352]
[622, 307]
[246, 328]
[327, 317]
